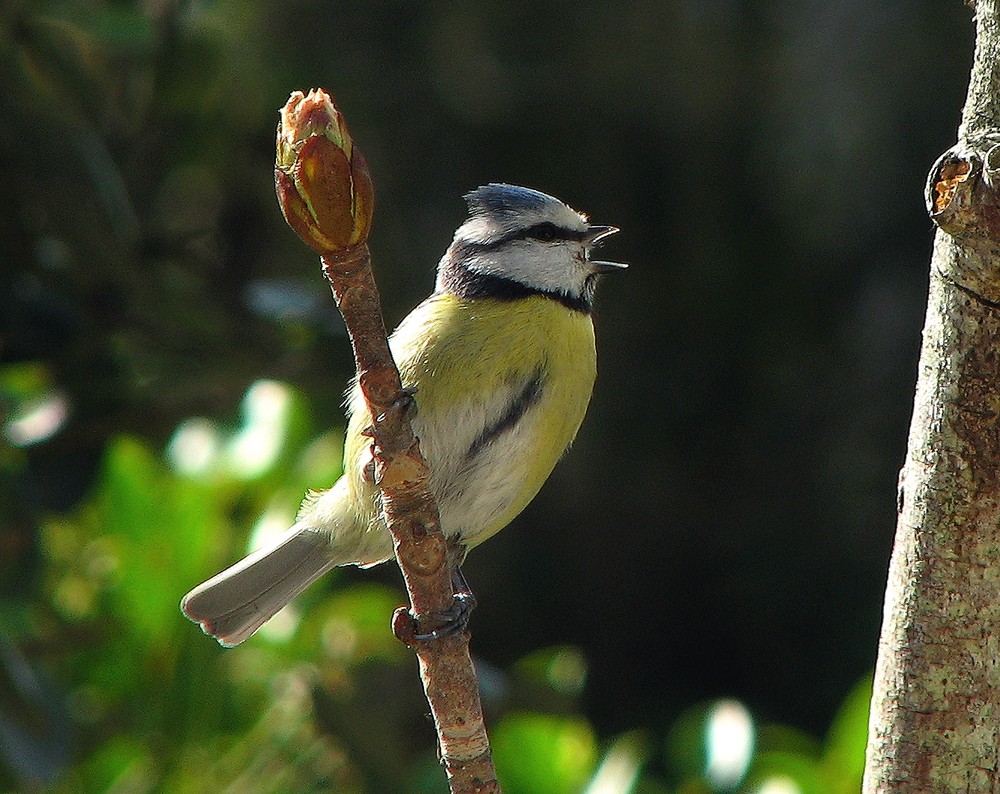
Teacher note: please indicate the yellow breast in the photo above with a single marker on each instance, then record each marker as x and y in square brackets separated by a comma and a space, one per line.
[471, 362]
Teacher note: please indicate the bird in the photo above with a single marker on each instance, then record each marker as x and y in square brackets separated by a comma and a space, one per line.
[501, 362]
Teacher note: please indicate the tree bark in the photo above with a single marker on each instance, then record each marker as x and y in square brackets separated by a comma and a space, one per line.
[935, 719]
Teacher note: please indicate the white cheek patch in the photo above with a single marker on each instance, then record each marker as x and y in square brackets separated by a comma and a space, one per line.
[558, 268]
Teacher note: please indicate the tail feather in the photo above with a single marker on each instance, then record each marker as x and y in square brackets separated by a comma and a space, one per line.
[235, 603]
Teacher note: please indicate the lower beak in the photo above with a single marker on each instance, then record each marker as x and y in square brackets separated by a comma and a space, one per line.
[607, 267]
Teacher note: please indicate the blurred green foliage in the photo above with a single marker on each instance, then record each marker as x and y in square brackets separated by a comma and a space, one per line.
[107, 688]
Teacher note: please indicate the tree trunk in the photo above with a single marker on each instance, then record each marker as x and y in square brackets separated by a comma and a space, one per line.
[935, 720]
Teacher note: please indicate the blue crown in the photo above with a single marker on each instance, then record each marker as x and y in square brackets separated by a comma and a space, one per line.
[500, 199]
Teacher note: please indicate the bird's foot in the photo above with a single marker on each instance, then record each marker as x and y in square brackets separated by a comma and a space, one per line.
[453, 620]
[404, 403]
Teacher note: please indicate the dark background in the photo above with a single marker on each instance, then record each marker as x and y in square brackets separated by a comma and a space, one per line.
[722, 525]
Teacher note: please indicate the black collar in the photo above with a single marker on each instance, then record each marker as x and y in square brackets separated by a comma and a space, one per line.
[470, 284]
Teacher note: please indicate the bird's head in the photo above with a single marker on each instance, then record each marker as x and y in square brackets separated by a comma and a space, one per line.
[519, 238]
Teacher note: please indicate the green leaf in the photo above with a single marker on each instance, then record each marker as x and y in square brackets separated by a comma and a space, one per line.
[562, 667]
[351, 625]
[543, 754]
[784, 772]
[123, 761]
[23, 381]
[844, 754]
[160, 528]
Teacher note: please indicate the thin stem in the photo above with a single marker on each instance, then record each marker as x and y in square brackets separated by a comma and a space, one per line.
[411, 515]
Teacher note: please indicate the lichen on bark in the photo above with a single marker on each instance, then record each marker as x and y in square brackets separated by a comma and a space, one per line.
[935, 721]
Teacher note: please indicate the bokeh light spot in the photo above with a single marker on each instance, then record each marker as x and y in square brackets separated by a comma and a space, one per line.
[38, 420]
[729, 742]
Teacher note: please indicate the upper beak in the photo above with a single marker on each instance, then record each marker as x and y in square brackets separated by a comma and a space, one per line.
[596, 235]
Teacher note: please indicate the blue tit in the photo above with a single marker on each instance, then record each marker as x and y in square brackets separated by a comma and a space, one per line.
[501, 360]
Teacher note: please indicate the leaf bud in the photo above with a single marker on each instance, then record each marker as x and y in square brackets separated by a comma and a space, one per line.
[323, 183]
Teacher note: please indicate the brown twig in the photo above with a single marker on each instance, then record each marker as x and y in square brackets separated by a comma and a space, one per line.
[325, 193]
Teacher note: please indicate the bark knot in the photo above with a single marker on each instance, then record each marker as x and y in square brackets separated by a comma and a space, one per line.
[962, 194]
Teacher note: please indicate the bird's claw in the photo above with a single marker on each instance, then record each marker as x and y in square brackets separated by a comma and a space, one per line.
[453, 620]
[404, 401]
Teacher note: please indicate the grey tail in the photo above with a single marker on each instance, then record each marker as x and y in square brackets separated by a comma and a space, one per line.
[235, 603]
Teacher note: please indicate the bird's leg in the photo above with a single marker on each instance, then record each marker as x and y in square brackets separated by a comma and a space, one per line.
[455, 618]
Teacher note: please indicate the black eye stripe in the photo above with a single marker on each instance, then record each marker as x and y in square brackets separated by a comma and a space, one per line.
[544, 232]
[548, 232]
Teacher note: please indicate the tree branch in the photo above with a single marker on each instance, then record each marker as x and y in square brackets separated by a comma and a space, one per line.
[325, 193]
[935, 721]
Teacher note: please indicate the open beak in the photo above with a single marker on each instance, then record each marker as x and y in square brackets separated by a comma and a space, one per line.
[595, 236]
